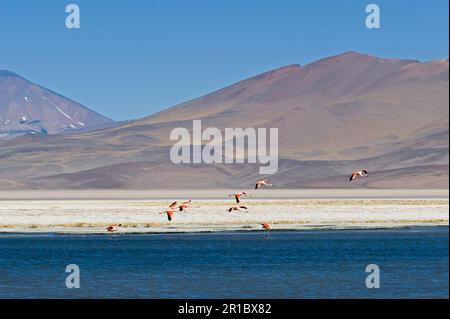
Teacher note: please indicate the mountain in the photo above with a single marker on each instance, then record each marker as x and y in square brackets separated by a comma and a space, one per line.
[26, 108]
[335, 115]
[329, 106]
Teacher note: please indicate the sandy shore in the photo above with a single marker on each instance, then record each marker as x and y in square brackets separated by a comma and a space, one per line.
[318, 209]
[220, 193]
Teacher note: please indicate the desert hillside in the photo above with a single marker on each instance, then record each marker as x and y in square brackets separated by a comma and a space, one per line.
[335, 115]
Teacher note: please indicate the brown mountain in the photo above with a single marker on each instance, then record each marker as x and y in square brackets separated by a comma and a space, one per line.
[335, 115]
[26, 108]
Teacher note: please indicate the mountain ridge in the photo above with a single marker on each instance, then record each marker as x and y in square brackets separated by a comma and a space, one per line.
[334, 115]
[29, 108]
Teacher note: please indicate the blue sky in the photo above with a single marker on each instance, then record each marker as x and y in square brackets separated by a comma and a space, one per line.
[132, 58]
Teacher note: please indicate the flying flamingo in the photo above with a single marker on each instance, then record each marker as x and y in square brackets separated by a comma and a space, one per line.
[262, 182]
[236, 208]
[185, 205]
[237, 196]
[358, 174]
[169, 211]
[113, 228]
[266, 226]
[169, 215]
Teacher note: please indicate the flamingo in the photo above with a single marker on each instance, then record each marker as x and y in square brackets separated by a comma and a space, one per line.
[236, 208]
[262, 182]
[169, 215]
[358, 174]
[173, 205]
[237, 196]
[113, 228]
[169, 211]
[185, 205]
[266, 226]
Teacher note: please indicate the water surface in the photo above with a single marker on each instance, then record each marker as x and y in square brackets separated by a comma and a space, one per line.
[297, 264]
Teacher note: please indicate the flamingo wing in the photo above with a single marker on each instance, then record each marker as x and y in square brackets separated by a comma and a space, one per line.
[173, 205]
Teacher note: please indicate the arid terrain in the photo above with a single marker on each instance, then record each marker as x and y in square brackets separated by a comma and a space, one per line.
[339, 114]
[71, 212]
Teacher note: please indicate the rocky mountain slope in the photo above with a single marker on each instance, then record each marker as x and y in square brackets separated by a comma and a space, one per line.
[335, 115]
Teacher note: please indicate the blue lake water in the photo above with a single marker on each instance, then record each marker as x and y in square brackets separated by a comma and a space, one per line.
[302, 264]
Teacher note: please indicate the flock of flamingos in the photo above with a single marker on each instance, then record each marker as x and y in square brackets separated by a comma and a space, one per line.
[237, 196]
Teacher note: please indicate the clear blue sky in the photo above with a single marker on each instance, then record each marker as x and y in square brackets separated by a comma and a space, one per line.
[133, 58]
